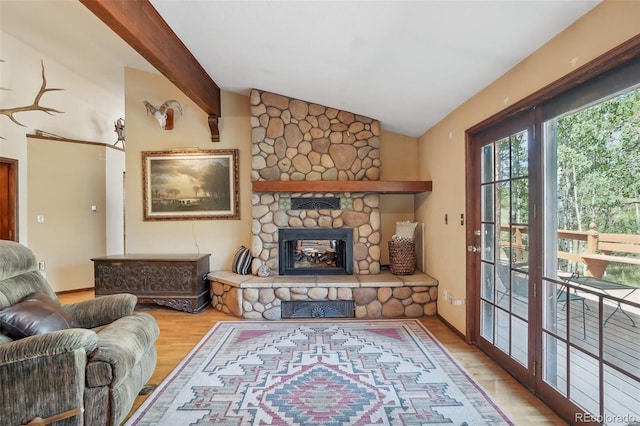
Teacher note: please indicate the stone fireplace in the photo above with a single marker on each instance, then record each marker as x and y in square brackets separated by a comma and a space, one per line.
[297, 146]
[293, 140]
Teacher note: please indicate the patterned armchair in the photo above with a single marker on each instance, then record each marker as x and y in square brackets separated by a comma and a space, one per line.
[86, 361]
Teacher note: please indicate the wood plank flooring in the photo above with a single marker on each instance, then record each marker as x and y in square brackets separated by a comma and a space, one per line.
[181, 331]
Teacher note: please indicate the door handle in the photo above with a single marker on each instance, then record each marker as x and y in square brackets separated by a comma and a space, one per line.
[473, 249]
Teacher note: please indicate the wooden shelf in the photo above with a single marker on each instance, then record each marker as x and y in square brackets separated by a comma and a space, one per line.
[379, 186]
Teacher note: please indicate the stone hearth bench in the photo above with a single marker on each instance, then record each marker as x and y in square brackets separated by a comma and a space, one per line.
[375, 296]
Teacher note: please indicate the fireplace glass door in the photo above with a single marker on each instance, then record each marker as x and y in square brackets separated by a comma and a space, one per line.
[315, 251]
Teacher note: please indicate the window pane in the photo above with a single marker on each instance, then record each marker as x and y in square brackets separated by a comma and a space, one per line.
[488, 234]
[520, 201]
[520, 155]
[487, 164]
[487, 281]
[520, 287]
[584, 381]
[620, 396]
[504, 240]
[620, 338]
[487, 203]
[503, 160]
[553, 318]
[520, 247]
[503, 330]
[554, 367]
[503, 285]
[519, 338]
[486, 319]
[503, 198]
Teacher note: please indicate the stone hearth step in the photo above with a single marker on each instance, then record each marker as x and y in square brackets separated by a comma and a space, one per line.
[376, 296]
[384, 279]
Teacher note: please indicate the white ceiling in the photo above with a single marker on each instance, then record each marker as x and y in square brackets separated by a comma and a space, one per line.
[405, 63]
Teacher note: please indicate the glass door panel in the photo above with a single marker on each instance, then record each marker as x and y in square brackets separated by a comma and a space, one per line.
[504, 305]
[556, 289]
[589, 354]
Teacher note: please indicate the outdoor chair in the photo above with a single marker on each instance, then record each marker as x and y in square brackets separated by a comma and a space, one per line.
[564, 296]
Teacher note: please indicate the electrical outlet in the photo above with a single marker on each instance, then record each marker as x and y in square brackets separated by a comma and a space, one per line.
[41, 265]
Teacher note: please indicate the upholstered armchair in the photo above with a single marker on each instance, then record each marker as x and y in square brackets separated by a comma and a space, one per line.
[85, 362]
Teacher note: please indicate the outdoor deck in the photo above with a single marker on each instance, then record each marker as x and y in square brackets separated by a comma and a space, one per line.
[620, 351]
[617, 342]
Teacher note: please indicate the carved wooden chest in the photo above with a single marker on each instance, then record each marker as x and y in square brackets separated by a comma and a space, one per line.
[175, 280]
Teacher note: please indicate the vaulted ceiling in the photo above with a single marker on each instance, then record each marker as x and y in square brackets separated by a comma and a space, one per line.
[405, 63]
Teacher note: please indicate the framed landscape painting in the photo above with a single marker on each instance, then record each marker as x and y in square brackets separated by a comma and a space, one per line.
[190, 185]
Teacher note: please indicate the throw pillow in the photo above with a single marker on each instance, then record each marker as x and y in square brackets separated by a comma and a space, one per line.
[242, 261]
[406, 229]
[35, 314]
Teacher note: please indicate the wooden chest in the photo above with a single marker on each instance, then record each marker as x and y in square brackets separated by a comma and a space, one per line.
[175, 280]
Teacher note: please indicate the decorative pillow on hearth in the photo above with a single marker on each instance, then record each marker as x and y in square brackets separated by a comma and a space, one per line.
[405, 230]
[242, 261]
[35, 314]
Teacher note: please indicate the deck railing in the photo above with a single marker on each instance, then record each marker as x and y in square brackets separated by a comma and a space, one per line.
[597, 252]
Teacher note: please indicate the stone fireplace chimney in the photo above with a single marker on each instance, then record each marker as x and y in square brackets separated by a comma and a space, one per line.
[293, 140]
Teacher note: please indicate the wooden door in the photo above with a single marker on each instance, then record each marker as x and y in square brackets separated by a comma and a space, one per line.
[8, 199]
[503, 322]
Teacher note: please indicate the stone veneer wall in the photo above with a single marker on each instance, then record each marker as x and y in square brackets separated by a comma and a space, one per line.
[359, 211]
[381, 296]
[297, 140]
[374, 303]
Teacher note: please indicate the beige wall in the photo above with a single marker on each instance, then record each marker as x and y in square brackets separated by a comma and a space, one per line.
[399, 156]
[223, 237]
[65, 180]
[220, 238]
[114, 200]
[441, 149]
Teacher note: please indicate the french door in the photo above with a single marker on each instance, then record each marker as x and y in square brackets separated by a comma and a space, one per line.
[535, 182]
[502, 223]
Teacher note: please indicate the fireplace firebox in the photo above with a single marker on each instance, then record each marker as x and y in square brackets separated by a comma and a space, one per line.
[315, 251]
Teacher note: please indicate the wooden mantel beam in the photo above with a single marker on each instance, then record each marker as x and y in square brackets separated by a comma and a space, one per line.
[379, 186]
[140, 25]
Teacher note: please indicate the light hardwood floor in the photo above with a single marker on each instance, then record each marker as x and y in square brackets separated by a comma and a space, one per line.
[180, 331]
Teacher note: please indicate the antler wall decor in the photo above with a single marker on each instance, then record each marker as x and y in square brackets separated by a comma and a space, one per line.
[161, 113]
[35, 106]
[119, 129]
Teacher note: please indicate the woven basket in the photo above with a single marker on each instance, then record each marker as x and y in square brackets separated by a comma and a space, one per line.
[402, 257]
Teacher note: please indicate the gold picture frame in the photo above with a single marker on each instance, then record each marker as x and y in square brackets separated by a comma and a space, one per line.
[190, 185]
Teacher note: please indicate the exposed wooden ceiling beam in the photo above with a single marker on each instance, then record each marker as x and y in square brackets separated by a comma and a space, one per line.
[141, 26]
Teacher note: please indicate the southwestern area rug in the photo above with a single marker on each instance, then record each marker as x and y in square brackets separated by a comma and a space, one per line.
[318, 372]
